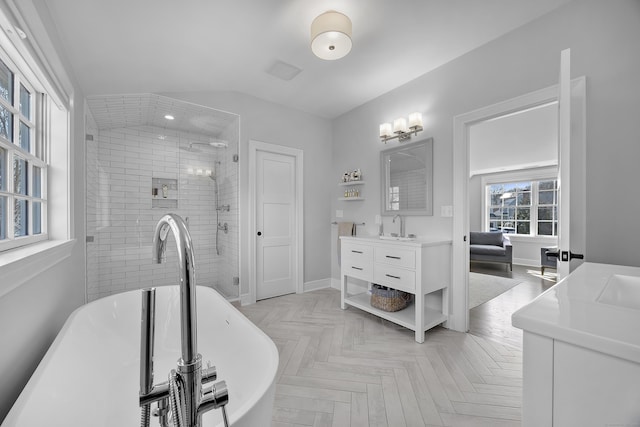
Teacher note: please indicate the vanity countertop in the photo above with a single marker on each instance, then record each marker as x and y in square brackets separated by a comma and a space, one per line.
[597, 307]
[418, 242]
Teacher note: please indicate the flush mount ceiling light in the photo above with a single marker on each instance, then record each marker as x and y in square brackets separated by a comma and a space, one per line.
[331, 35]
[169, 117]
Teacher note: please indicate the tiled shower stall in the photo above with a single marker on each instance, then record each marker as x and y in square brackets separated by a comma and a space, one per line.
[141, 166]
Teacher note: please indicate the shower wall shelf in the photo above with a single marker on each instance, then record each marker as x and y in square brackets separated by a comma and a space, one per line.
[161, 187]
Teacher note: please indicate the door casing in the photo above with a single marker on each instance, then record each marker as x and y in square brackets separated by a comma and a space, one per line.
[459, 314]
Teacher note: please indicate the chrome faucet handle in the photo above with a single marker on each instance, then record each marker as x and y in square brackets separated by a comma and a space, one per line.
[214, 397]
[210, 373]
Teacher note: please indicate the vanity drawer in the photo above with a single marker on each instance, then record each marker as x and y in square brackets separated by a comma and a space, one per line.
[356, 251]
[397, 278]
[396, 256]
[355, 267]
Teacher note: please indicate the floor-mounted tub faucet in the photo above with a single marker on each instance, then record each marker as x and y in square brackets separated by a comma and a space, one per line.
[183, 393]
[401, 224]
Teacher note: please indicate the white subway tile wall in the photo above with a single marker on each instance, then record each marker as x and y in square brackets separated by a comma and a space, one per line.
[122, 211]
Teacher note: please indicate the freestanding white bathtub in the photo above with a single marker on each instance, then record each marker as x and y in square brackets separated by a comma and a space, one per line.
[90, 375]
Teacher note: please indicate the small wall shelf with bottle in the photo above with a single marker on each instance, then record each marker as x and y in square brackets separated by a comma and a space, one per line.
[164, 193]
[352, 182]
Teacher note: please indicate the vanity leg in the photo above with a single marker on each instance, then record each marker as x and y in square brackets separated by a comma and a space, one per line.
[445, 305]
[343, 291]
[419, 305]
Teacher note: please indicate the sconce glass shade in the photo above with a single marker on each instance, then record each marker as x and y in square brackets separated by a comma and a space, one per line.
[415, 120]
[385, 130]
[400, 125]
[331, 35]
[400, 130]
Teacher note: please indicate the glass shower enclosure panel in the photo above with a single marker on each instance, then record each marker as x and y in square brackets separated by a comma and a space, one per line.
[141, 169]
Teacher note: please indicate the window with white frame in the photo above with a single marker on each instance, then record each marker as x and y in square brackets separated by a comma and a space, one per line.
[523, 207]
[23, 159]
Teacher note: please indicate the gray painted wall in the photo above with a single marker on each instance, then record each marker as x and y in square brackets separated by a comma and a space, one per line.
[32, 314]
[603, 40]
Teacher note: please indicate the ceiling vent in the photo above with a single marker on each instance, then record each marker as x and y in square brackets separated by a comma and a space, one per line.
[283, 71]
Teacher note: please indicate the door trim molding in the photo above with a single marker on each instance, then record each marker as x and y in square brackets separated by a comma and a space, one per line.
[459, 317]
[254, 147]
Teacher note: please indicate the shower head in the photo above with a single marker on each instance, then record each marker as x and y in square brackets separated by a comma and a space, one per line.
[215, 143]
[190, 148]
[218, 143]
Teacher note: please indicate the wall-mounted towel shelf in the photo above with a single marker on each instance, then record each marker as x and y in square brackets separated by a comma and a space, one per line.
[352, 191]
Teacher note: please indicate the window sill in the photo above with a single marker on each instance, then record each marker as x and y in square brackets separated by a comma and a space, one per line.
[22, 264]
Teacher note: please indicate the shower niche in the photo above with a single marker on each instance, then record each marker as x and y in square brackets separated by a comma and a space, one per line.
[164, 193]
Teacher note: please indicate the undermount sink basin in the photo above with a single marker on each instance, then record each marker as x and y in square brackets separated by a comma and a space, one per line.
[623, 291]
[402, 239]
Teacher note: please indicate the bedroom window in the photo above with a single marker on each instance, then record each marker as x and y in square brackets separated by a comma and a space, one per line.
[524, 207]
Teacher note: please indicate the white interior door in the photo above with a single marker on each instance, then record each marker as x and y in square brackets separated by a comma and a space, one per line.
[275, 224]
[571, 168]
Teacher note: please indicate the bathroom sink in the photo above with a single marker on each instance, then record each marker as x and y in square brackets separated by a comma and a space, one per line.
[398, 238]
[623, 291]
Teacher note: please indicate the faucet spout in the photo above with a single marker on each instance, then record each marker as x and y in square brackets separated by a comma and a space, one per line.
[184, 388]
[187, 280]
[401, 224]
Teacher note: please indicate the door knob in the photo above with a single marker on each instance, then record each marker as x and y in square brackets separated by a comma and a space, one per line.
[568, 255]
[259, 233]
[564, 255]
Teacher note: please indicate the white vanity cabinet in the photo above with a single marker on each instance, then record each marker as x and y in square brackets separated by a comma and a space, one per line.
[581, 350]
[422, 268]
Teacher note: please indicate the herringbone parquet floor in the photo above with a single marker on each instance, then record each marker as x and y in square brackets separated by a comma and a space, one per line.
[349, 368]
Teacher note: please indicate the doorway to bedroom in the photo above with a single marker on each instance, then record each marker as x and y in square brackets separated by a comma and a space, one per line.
[513, 167]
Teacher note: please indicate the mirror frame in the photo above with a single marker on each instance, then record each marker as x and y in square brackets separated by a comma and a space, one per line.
[428, 161]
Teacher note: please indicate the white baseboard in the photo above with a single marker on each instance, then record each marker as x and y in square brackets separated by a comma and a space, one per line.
[245, 299]
[526, 262]
[317, 284]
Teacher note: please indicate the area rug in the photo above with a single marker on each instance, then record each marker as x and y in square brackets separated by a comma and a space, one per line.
[483, 287]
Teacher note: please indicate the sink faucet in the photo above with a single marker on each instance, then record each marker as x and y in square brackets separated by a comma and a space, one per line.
[188, 400]
[401, 224]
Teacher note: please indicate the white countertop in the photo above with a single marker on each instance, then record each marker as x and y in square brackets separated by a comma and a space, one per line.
[571, 312]
[419, 242]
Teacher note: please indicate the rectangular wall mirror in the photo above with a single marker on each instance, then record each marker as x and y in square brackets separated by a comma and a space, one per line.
[406, 173]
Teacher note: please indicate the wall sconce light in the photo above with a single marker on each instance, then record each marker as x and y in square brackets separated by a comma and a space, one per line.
[400, 129]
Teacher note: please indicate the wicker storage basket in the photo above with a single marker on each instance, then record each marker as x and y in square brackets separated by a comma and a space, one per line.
[388, 299]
